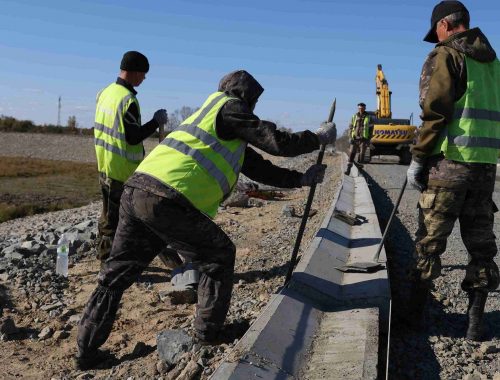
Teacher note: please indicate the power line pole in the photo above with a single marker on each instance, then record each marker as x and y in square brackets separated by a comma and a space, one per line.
[59, 112]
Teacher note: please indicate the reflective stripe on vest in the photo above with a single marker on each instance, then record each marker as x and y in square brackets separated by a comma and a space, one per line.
[115, 157]
[195, 162]
[366, 129]
[474, 133]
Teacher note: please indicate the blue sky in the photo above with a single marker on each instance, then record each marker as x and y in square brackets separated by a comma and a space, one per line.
[304, 53]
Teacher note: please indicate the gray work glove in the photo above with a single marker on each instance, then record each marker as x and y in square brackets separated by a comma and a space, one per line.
[414, 175]
[327, 133]
[161, 116]
[314, 174]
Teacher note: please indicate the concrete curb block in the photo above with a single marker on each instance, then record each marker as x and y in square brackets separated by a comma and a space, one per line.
[325, 321]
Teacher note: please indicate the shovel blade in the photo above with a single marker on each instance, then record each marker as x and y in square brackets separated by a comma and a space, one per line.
[361, 267]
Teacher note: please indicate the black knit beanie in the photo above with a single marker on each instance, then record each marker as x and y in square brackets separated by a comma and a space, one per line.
[134, 61]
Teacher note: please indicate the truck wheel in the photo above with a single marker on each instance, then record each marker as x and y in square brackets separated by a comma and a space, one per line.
[405, 156]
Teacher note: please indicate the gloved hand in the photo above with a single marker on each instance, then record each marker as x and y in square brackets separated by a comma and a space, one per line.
[414, 175]
[327, 133]
[161, 116]
[351, 141]
[314, 174]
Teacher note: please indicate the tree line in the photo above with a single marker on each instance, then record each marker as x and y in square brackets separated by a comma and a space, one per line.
[11, 124]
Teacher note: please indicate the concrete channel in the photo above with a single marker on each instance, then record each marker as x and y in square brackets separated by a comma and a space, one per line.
[326, 324]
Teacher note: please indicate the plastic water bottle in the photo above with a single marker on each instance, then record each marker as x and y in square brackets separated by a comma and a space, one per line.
[62, 256]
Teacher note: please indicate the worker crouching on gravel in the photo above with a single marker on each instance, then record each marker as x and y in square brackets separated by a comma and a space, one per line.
[454, 159]
[359, 136]
[176, 191]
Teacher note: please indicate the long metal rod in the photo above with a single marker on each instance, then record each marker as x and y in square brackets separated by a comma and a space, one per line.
[310, 198]
[389, 222]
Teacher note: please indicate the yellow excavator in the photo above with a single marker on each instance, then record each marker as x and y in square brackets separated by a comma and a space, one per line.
[388, 136]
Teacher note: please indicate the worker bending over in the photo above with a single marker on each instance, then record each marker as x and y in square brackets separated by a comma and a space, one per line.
[175, 193]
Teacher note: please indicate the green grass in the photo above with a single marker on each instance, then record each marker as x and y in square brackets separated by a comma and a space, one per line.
[30, 186]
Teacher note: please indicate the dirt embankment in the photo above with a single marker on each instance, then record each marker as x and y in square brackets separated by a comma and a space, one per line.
[264, 237]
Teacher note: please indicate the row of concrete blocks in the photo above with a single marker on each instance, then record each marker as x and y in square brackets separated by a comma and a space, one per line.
[326, 324]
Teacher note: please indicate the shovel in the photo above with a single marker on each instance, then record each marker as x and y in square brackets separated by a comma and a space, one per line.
[321, 153]
[374, 265]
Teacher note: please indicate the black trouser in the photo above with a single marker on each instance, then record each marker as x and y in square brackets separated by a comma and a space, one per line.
[147, 223]
[108, 221]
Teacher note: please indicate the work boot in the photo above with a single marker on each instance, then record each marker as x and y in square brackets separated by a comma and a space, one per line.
[348, 170]
[477, 301]
[417, 303]
[91, 360]
[207, 338]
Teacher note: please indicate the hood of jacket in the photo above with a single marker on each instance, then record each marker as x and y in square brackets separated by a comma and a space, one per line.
[242, 85]
[473, 43]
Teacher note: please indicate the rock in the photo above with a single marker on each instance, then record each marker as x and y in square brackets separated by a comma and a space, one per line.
[190, 372]
[7, 326]
[81, 227]
[179, 295]
[236, 199]
[476, 356]
[253, 202]
[10, 249]
[52, 306]
[162, 367]
[85, 247]
[85, 376]
[75, 318]
[140, 349]
[45, 333]
[474, 376]
[13, 256]
[172, 344]
[176, 371]
[487, 348]
[289, 211]
[60, 334]
[496, 376]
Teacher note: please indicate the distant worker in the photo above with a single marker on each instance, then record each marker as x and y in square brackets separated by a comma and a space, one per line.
[359, 136]
[454, 159]
[174, 195]
[118, 140]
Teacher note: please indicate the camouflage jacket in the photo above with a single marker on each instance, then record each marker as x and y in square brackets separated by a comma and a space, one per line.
[443, 81]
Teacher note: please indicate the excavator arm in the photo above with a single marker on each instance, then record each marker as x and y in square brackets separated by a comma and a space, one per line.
[383, 95]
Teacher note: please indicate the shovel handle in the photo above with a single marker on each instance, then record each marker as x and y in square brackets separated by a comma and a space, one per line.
[389, 222]
[161, 132]
[310, 198]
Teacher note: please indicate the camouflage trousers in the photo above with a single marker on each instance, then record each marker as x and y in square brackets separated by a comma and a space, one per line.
[108, 221]
[358, 145]
[147, 223]
[460, 191]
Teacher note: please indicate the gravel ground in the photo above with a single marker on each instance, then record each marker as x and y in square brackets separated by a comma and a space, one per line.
[39, 310]
[439, 352]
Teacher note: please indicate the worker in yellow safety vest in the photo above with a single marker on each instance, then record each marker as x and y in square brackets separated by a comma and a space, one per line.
[118, 136]
[174, 195]
[455, 160]
[359, 136]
